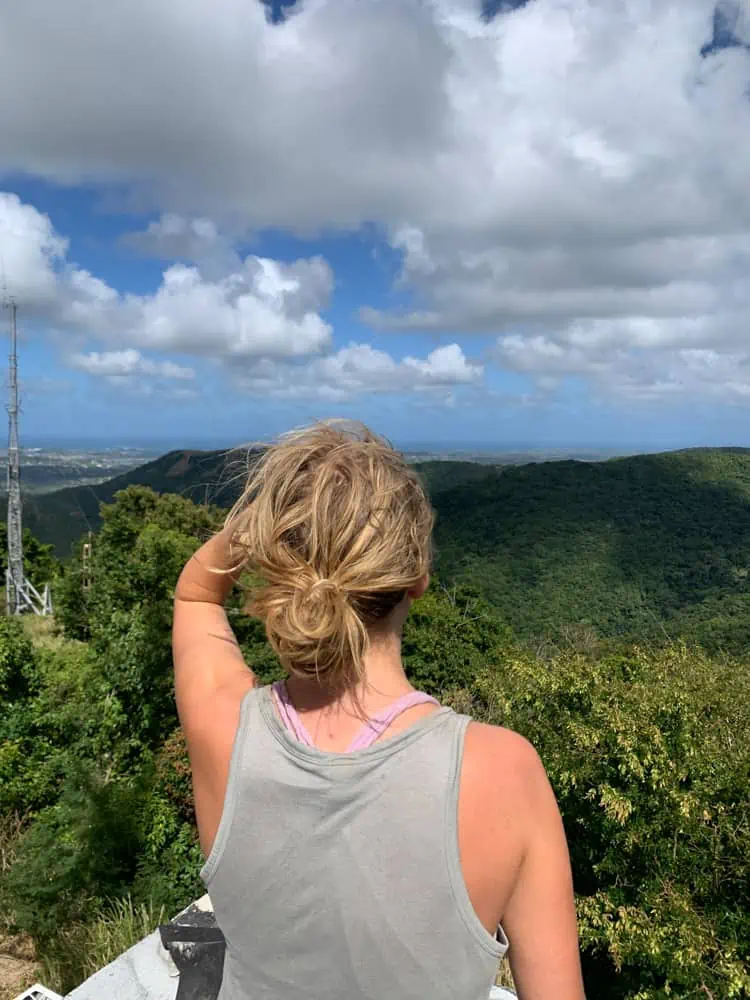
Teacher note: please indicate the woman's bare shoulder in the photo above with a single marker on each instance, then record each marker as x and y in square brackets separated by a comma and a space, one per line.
[498, 748]
[498, 804]
[518, 806]
[504, 768]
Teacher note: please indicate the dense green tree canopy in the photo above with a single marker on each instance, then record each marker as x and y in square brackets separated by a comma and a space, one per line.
[645, 548]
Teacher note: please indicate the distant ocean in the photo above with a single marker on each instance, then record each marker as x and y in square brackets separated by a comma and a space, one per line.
[469, 449]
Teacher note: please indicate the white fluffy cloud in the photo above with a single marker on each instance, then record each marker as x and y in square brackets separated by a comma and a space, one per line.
[265, 309]
[554, 117]
[127, 363]
[260, 322]
[635, 361]
[360, 369]
[565, 169]
[30, 252]
[261, 309]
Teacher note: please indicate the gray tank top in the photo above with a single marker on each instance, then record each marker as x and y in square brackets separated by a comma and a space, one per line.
[336, 876]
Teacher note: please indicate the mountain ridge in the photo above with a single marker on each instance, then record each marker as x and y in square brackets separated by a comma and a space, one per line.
[630, 547]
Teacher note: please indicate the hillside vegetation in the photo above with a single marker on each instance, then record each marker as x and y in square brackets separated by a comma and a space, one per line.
[654, 547]
[637, 548]
[645, 746]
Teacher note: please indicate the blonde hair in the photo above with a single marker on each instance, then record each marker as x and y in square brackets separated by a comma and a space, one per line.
[337, 527]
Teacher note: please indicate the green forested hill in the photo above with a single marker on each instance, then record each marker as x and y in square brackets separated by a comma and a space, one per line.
[631, 546]
[644, 547]
[63, 516]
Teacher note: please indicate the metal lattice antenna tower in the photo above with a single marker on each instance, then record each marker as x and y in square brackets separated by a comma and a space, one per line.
[21, 595]
[15, 533]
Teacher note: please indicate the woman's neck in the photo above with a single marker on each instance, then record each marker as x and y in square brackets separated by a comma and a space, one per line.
[384, 680]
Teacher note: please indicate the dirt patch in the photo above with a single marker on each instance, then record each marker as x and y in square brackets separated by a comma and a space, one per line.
[181, 466]
[18, 970]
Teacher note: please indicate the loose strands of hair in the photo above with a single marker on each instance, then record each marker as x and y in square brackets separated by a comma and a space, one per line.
[337, 528]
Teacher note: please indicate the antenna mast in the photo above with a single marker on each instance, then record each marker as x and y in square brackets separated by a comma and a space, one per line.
[21, 594]
[15, 534]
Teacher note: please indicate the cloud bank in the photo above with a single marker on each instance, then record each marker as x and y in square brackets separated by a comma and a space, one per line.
[569, 176]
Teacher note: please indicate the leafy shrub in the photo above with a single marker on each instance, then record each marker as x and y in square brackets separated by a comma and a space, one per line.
[647, 756]
[137, 557]
[24, 776]
[75, 854]
[70, 601]
[449, 637]
[18, 675]
[78, 710]
[170, 862]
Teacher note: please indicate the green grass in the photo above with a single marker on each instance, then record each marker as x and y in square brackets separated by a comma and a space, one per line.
[83, 949]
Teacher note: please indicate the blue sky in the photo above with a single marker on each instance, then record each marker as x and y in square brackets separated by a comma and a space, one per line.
[493, 225]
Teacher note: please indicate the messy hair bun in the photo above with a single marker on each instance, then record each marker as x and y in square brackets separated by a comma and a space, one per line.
[337, 528]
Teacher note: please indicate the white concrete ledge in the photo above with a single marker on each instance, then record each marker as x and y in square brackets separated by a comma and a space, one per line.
[144, 972]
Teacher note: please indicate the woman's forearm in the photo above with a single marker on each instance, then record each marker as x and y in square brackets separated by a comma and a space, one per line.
[210, 573]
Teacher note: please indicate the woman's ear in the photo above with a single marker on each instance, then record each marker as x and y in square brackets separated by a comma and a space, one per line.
[420, 588]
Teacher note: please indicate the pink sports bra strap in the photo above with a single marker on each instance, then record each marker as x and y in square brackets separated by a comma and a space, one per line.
[372, 729]
[289, 714]
[378, 723]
